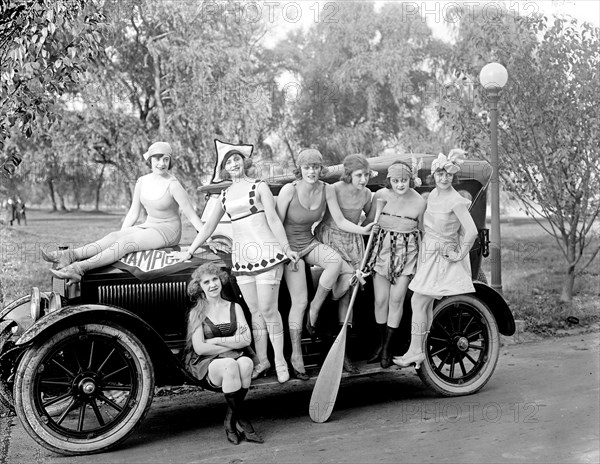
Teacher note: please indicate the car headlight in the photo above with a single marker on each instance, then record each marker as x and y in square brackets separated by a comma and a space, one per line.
[54, 302]
[35, 304]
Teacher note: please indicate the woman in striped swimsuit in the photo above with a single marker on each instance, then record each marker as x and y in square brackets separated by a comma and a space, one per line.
[395, 252]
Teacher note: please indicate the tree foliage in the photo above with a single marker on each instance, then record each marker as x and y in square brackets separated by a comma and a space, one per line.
[45, 45]
[549, 123]
[361, 79]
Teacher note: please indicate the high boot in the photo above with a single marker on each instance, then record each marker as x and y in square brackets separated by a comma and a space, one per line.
[235, 400]
[377, 353]
[386, 352]
[230, 423]
[314, 308]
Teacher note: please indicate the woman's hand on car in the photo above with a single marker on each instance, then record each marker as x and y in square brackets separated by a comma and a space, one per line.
[182, 256]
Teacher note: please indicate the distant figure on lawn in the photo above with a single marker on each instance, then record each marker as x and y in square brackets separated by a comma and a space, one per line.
[20, 211]
[161, 194]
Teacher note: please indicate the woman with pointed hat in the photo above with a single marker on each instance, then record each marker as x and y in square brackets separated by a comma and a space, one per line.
[260, 249]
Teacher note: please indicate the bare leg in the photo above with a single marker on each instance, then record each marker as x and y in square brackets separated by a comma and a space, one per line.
[421, 305]
[225, 373]
[296, 283]
[342, 284]
[331, 262]
[396, 303]
[140, 239]
[381, 288]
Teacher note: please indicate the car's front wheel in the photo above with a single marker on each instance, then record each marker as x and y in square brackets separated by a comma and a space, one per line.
[84, 389]
[462, 348]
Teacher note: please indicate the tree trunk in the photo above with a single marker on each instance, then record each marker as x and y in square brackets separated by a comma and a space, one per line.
[62, 201]
[99, 187]
[157, 95]
[52, 196]
[567, 290]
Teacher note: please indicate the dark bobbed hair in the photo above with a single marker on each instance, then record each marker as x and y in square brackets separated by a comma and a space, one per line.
[160, 155]
[411, 184]
[354, 163]
[247, 163]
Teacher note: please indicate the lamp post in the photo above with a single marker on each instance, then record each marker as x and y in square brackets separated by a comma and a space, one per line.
[493, 77]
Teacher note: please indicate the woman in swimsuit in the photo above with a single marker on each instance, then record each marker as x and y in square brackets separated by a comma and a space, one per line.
[354, 198]
[259, 250]
[395, 252]
[161, 195]
[444, 266]
[300, 205]
[217, 332]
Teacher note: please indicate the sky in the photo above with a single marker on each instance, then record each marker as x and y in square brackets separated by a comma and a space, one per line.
[289, 15]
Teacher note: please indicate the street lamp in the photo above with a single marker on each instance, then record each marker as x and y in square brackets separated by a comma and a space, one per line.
[493, 77]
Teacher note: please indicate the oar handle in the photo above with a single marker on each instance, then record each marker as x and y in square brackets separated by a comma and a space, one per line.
[378, 209]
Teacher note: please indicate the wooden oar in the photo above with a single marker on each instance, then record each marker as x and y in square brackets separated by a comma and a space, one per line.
[326, 388]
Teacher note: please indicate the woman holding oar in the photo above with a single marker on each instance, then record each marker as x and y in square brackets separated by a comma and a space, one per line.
[354, 198]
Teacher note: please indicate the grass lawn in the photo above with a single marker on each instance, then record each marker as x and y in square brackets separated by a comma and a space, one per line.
[532, 265]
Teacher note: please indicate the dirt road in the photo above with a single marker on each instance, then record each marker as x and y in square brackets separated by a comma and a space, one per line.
[541, 405]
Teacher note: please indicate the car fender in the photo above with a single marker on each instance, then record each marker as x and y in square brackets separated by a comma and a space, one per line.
[498, 306]
[168, 366]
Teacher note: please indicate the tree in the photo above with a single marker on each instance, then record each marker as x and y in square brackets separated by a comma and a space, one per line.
[188, 76]
[549, 123]
[45, 45]
[360, 80]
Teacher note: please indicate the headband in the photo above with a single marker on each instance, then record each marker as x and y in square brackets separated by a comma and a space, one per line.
[396, 170]
[450, 163]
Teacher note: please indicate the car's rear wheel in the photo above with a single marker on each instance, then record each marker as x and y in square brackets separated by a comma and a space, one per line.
[462, 347]
[84, 389]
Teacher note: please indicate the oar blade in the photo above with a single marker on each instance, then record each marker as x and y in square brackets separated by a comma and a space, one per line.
[325, 391]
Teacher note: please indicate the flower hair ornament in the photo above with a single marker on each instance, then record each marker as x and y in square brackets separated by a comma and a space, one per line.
[450, 163]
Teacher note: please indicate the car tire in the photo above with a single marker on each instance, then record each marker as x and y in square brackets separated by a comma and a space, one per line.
[462, 348]
[84, 389]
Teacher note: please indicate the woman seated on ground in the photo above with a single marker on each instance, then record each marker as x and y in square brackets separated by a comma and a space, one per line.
[300, 205]
[161, 194]
[217, 333]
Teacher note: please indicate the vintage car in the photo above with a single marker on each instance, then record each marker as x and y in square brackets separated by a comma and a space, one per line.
[80, 364]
